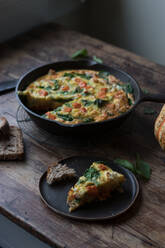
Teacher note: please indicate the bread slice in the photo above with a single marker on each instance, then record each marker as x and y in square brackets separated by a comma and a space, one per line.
[59, 172]
[4, 126]
[11, 148]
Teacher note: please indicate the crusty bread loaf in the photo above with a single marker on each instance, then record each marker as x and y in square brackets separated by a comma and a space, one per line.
[159, 128]
[59, 172]
[4, 127]
[11, 147]
[159, 120]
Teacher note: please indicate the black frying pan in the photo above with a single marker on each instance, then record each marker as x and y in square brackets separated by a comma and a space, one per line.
[82, 128]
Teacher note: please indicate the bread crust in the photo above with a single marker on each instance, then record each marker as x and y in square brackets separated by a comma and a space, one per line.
[159, 120]
[159, 128]
[162, 137]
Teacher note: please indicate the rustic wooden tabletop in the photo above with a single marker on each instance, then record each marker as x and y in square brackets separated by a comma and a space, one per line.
[143, 225]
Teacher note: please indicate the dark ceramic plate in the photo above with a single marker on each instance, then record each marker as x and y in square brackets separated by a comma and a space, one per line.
[55, 195]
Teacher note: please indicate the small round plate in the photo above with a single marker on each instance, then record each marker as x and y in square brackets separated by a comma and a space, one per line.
[55, 195]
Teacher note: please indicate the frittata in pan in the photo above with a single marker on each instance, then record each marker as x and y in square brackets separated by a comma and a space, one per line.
[79, 96]
[97, 183]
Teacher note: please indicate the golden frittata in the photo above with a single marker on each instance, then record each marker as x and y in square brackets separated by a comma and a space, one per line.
[97, 183]
[77, 96]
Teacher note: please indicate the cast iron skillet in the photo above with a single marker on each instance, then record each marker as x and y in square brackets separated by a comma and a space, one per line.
[82, 128]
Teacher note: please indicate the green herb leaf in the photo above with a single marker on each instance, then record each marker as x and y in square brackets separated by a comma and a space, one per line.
[126, 164]
[65, 117]
[68, 74]
[121, 112]
[80, 54]
[142, 168]
[77, 200]
[98, 60]
[92, 174]
[58, 109]
[100, 103]
[81, 181]
[56, 85]
[103, 74]
[88, 120]
[73, 74]
[87, 102]
[77, 90]
[48, 88]
[127, 88]
[149, 111]
[145, 91]
[68, 104]
[83, 75]
[110, 114]
[129, 101]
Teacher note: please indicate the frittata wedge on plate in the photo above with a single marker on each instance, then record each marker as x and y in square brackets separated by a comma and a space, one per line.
[97, 183]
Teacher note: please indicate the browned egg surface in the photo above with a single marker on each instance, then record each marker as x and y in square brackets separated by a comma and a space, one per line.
[79, 96]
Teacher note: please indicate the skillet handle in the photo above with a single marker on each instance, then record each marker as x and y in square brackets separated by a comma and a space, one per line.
[152, 97]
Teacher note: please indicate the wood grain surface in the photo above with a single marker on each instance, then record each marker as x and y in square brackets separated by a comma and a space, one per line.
[143, 226]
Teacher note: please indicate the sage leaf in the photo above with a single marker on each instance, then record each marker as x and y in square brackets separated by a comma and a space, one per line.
[98, 60]
[143, 168]
[126, 164]
[145, 91]
[80, 54]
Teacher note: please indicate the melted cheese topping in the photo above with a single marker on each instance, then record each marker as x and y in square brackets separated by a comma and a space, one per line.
[76, 96]
[97, 183]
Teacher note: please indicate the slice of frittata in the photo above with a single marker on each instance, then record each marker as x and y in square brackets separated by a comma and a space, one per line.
[97, 183]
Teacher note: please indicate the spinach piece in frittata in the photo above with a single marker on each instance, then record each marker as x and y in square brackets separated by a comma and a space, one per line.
[127, 88]
[100, 103]
[78, 90]
[92, 175]
[56, 85]
[87, 102]
[103, 74]
[89, 119]
[73, 74]
[66, 117]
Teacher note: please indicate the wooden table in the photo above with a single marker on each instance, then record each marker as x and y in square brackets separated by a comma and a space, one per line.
[144, 225]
